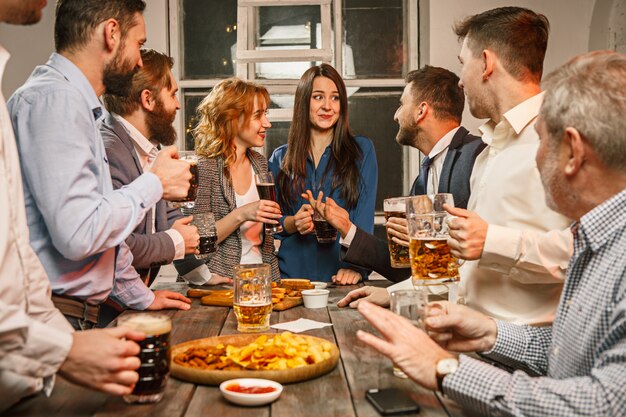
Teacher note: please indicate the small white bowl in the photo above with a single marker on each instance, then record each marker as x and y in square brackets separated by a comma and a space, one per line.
[315, 298]
[319, 285]
[251, 399]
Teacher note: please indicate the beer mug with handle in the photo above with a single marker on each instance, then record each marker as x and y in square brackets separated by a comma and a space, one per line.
[431, 260]
[253, 297]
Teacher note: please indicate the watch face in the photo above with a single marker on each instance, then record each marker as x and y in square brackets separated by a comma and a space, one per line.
[447, 366]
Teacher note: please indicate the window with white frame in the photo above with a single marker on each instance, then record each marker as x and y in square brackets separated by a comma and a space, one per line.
[372, 43]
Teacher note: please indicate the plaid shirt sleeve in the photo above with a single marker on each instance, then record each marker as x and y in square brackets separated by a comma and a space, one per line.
[491, 391]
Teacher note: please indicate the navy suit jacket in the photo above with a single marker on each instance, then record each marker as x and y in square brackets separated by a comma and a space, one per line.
[366, 250]
[150, 250]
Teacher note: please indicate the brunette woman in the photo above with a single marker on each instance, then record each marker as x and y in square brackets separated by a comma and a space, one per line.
[233, 120]
[323, 155]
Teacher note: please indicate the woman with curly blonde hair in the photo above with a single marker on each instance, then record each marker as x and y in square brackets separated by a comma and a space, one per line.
[233, 120]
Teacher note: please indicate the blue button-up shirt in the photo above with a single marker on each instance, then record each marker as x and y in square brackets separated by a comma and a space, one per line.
[300, 255]
[582, 355]
[76, 219]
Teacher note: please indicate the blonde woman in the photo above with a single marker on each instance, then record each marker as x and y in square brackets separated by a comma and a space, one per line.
[233, 120]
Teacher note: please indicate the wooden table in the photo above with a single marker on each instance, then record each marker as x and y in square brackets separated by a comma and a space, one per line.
[338, 393]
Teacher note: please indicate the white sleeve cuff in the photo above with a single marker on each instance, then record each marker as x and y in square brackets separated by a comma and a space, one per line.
[179, 243]
[198, 276]
[348, 240]
[407, 284]
[502, 248]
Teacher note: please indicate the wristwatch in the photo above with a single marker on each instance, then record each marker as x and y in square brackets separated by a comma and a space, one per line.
[445, 367]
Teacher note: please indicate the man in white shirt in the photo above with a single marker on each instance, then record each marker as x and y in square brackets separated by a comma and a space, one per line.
[516, 247]
[36, 341]
[138, 124]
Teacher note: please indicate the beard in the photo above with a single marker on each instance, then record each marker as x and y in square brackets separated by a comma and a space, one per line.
[159, 123]
[407, 136]
[118, 75]
[25, 14]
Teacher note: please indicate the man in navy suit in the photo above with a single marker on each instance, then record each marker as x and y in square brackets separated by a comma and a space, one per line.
[137, 125]
[429, 119]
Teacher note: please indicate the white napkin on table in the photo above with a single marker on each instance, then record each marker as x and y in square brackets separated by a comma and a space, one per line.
[300, 325]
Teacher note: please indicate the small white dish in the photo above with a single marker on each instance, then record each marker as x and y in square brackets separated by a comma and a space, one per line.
[315, 298]
[319, 285]
[251, 399]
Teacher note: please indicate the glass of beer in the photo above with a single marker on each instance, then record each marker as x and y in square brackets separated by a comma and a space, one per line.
[253, 297]
[398, 254]
[410, 304]
[266, 187]
[154, 355]
[324, 232]
[205, 222]
[191, 158]
[431, 260]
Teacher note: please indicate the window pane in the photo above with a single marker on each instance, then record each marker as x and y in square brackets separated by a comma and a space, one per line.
[375, 53]
[192, 98]
[371, 115]
[276, 136]
[282, 27]
[209, 36]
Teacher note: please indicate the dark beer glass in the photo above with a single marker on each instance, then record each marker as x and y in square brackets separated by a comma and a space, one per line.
[205, 222]
[266, 187]
[192, 159]
[154, 355]
[398, 254]
[324, 232]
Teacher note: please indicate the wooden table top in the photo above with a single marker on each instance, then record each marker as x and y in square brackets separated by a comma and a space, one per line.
[338, 393]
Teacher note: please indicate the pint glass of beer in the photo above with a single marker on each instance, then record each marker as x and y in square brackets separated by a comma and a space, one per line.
[324, 232]
[253, 297]
[431, 260]
[399, 255]
[191, 158]
[265, 186]
[205, 222]
[154, 355]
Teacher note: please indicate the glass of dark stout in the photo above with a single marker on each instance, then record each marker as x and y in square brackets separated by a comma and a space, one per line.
[324, 232]
[399, 255]
[205, 222]
[266, 187]
[192, 159]
[154, 355]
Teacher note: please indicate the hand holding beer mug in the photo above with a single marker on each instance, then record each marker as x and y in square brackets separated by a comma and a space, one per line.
[266, 187]
[192, 159]
[412, 305]
[399, 255]
[431, 260]
[154, 355]
[253, 297]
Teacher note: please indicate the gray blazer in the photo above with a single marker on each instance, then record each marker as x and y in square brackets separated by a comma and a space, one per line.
[149, 250]
[217, 195]
[368, 251]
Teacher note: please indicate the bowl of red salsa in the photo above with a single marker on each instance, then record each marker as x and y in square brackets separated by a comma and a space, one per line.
[251, 391]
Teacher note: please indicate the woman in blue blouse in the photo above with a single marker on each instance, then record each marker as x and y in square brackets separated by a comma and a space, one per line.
[322, 154]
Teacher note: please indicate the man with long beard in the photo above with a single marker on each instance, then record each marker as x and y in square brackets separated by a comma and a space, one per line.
[77, 222]
[138, 124]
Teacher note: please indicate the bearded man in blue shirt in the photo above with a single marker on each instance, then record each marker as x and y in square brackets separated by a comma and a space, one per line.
[77, 222]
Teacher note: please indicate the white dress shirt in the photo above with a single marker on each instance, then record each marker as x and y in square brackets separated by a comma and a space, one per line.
[35, 337]
[520, 273]
[146, 152]
[437, 156]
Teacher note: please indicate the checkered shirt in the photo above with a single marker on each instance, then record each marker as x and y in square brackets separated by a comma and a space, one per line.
[582, 356]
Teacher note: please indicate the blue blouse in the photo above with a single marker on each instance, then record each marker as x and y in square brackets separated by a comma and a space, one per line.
[300, 256]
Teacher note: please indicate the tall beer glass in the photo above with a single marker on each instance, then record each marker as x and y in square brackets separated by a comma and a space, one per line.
[398, 254]
[431, 260]
[266, 187]
[410, 304]
[253, 297]
[154, 355]
[192, 159]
